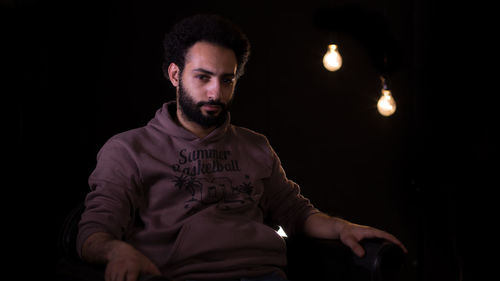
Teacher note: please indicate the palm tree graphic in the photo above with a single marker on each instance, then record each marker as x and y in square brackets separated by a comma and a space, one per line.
[190, 184]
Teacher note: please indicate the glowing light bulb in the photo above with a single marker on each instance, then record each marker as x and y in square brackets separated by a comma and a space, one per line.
[386, 105]
[332, 59]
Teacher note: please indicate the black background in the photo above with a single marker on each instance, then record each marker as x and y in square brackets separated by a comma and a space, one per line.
[78, 72]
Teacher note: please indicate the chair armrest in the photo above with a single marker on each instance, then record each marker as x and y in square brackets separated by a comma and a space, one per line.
[382, 262]
[323, 259]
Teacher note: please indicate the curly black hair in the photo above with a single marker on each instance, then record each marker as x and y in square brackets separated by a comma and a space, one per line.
[208, 28]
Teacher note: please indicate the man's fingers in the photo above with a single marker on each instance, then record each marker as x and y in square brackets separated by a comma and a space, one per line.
[118, 276]
[377, 233]
[132, 276]
[391, 238]
[155, 270]
[151, 268]
[352, 243]
[108, 274]
[358, 233]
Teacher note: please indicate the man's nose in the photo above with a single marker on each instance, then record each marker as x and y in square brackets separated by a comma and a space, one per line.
[214, 90]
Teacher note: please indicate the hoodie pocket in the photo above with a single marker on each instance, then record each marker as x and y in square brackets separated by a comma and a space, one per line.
[181, 237]
[212, 238]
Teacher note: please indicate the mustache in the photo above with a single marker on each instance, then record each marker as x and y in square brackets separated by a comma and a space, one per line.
[212, 102]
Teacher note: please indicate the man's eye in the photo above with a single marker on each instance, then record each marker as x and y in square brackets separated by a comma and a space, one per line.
[202, 77]
[228, 81]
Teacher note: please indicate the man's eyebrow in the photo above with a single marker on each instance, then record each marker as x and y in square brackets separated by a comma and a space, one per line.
[211, 73]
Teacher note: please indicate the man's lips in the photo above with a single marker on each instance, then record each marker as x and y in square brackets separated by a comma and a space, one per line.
[211, 107]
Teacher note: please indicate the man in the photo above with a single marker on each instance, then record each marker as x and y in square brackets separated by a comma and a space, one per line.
[187, 196]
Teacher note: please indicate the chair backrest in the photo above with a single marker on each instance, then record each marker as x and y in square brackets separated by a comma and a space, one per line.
[66, 242]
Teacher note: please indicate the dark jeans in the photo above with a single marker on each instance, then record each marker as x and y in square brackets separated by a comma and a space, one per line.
[268, 277]
[81, 271]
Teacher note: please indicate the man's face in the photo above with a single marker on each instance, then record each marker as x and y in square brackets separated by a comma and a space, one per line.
[207, 84]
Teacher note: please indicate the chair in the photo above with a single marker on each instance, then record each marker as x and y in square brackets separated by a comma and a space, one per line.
[308, 258]
[323, 259]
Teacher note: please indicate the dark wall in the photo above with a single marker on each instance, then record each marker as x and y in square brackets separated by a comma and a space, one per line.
[84, 71]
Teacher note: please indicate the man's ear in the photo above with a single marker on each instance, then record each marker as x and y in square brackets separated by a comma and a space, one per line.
[173, 74]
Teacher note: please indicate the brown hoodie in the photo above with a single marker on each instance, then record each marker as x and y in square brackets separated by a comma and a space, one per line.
[195, 207]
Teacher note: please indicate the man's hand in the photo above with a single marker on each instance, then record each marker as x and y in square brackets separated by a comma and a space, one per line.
[321, 225]
[351, 234]
[123, 262]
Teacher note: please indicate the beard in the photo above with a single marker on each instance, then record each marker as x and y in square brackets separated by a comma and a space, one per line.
[192, 110]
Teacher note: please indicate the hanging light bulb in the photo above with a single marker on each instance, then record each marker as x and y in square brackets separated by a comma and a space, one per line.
[386, 105]
[332, 59]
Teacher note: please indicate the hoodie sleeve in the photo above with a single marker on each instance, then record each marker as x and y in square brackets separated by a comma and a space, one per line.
[282, 202]
[115, 184]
